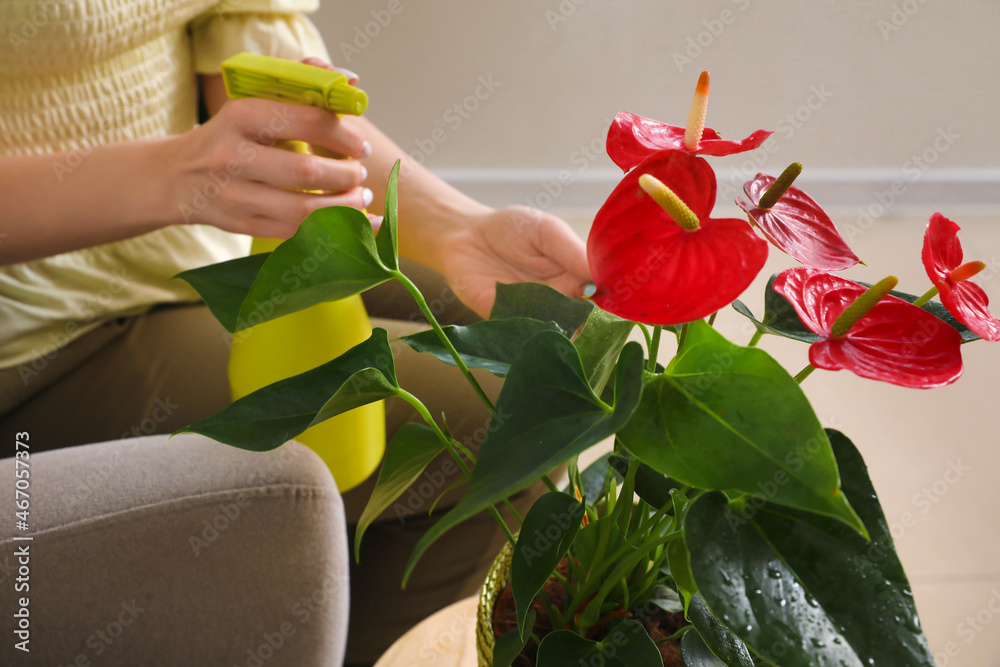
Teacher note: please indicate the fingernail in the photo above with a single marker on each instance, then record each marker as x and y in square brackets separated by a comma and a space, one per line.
[376, 221]
[346, 72]
[366, 150]
[368, 196]
[364, 173]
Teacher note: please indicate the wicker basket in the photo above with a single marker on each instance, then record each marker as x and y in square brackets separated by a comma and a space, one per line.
[496, 580]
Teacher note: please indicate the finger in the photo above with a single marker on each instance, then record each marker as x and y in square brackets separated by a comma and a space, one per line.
[301, 171]
[264, 121]
[559, 242]
[283, 209]
[352, 78]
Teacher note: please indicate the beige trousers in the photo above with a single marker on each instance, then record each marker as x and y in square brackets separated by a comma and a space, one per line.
[160, 371]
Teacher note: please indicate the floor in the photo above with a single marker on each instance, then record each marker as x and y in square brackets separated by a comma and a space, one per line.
[934, 456]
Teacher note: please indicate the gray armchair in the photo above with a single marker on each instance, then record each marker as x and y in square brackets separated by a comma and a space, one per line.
[182, 551]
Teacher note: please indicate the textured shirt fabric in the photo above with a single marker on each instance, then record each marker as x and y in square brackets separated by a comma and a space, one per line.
[79, 73]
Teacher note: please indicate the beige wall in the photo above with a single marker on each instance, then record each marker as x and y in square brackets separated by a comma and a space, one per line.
[886, 82]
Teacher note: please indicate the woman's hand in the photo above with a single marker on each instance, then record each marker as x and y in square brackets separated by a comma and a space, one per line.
[513, 244]
[229, 173]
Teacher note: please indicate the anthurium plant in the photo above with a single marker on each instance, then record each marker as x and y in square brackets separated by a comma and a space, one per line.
[725, 501]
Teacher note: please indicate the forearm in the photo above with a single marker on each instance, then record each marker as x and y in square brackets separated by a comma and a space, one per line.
[111, 192]
[429, 208]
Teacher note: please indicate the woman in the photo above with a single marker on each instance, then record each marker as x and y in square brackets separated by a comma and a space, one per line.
[110, 187]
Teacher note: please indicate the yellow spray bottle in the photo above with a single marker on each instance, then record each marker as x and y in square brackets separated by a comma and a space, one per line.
[351, 444]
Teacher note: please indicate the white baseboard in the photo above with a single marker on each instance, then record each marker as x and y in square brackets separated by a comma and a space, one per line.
[878, 191]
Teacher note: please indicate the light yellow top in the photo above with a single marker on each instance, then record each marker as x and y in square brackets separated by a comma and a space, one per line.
[78, 73]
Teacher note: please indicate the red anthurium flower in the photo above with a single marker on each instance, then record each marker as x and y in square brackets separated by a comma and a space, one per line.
[894, 341]
[648, 267]
[967, 301]
[797, 225]
[632, 138]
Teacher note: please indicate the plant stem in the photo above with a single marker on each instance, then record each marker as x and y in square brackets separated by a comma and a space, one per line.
[645, 334]
[625, 565]
[711, 318]
[756, 338]
[804, 373]
[422, 304]
[684, 335]
[927, 296]
[450, 446]
[654, 349]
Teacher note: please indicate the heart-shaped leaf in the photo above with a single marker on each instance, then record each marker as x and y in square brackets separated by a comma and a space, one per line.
[627, 645]
[599, 343]
[508, 646]
[798, 588]
[331, 256]
[549, 528]
[731, 418]
[540, 302]
[491, 344]
[412, 448]
[275, 414]
[545, 415]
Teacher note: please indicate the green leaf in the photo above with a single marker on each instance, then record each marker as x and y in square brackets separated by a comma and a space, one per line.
[387, 242]
[627, 645]
[510, 645]
[224, 286]
[411, 449]
[540, 302]
[599, 343]
[275, 414]
[730, 418]
[716, 637]
[331, 256]
[846, 600]
[545, 415]
[491, 344]
[679, 562]
[779, 316]
[651, 486]
[697, 654]
[549, 529]
[666, 598]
